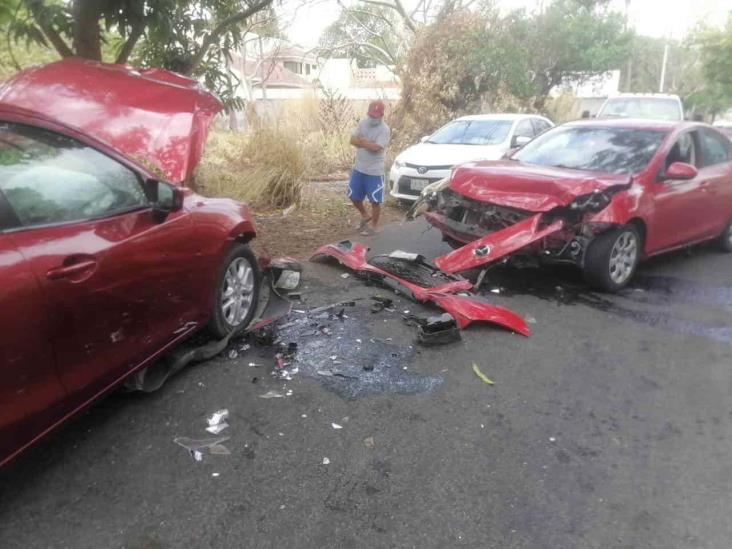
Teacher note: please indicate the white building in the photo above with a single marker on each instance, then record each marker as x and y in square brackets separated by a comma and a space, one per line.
[273, 69]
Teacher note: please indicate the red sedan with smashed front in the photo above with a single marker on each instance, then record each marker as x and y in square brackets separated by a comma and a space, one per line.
[598, 194]
[106, 258]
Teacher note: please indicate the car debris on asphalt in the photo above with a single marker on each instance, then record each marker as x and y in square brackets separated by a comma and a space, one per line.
[415, 278]
[438, 330]
[198, 447]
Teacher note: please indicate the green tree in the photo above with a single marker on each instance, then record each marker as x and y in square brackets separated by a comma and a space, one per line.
[482, 59]
[190, 37]
[570, 39]
[716, 60]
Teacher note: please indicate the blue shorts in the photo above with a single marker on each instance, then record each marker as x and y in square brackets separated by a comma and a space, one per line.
[363, 186]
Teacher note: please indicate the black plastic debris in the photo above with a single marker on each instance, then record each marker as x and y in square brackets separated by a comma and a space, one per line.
[438, 330]
[380, 303]
[413, 320]
[265, 336]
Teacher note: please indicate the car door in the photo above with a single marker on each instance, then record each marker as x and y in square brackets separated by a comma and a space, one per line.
[31, 393]
[716, 175]
[681, 207]
[118, 283]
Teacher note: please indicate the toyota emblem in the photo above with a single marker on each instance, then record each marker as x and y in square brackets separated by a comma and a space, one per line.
[422, 169]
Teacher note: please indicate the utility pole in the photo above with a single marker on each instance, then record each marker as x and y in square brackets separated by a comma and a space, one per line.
[663, 68]
[629, 68]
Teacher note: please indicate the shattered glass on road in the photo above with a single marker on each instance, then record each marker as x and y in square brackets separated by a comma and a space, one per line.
[335, 348]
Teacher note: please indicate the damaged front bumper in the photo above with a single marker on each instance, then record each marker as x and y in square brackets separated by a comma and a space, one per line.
[486, 233]
[412, 276]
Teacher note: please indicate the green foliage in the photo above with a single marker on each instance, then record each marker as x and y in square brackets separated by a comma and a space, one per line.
[716, 61]
[471, 61]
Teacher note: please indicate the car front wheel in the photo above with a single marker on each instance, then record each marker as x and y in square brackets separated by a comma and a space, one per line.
[611, 258]
[237, 291]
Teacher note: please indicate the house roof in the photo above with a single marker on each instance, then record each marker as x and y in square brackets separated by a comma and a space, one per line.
[275, 75]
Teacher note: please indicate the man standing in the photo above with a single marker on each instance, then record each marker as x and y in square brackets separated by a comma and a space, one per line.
[370, 138]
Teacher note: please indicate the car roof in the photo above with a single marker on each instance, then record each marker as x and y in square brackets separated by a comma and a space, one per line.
[500, 116]
[633, 123]
[645, 96]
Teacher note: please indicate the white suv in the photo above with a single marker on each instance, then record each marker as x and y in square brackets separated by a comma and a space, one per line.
[478, 137]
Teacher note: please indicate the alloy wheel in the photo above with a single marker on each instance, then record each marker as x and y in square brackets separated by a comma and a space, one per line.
[237, 291]
[623, 257]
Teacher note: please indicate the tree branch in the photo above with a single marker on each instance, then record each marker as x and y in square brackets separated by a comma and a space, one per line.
[220, 29]
[135, 34]
[52, 34]
[399, 8]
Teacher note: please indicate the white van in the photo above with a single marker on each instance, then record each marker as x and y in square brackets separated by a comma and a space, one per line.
[653, 106]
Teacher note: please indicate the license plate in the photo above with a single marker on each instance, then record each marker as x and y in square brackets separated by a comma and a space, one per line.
[418, 184]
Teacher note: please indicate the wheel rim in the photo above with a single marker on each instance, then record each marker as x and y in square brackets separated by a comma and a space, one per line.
[237, 291]
[623, 257]
[729, 235]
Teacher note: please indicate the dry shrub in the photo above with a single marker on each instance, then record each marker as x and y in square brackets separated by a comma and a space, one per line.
[561, 109]
[264, 168]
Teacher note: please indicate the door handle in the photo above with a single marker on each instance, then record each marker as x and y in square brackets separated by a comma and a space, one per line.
[66, 271]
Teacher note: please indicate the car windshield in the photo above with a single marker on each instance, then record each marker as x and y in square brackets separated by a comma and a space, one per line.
[472, 132]
[642, 107]
[609, 150]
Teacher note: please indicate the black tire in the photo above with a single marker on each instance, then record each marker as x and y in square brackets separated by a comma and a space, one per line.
[603, 269]
[220, 326]
[724, 242]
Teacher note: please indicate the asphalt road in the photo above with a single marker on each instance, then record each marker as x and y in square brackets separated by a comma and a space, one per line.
[611, 426]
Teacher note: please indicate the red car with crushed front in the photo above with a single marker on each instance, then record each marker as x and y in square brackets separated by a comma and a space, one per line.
[107, 259]
[601, 195]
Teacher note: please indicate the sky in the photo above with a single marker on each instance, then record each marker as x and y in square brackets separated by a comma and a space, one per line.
[306, 19]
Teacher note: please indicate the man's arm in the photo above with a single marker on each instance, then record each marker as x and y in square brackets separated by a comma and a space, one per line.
[364, 143]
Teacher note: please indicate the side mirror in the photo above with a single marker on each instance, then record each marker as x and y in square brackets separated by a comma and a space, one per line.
[166, 199]
[680, 171]
[585, 114]
[519, 141]
[424, 138]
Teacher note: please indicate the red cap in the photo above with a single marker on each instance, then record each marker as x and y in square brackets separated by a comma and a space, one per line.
[376, 109]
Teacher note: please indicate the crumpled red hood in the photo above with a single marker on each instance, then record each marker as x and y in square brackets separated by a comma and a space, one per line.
[155, 117]
[527, 186]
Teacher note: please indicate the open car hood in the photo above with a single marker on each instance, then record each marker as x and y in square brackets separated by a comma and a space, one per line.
[526, 186]
[155, 117]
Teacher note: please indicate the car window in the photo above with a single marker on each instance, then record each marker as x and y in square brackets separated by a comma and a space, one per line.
[684, 150]
[50, 178]
[525, 129]
[715, 148]
[540, 126]
[471, 132]
[598, 149]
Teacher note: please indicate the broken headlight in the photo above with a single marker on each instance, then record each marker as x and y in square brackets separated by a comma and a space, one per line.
[593, 202]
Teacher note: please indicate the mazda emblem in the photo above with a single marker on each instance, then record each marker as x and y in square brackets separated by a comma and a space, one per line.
[482, 251]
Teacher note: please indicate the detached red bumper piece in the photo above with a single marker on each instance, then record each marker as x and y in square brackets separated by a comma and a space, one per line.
[412, 276]
[497, 245]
